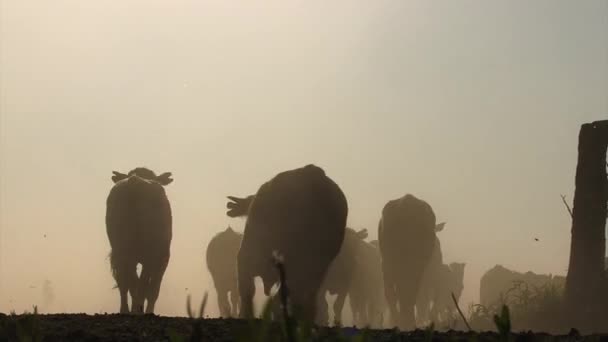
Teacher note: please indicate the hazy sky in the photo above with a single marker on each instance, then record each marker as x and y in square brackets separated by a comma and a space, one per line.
[474, 106]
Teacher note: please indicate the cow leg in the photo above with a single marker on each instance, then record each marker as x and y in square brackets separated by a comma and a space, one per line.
[222, 301]
[277, 307]
[423, 302]
[305, 305]
[374, 314]
[390, 294]
[442, 308]
[322, 309]
[234, 300]
[408, 287]
[124, 299]
[246, 292]
[365, 313]
[304, 291]
[355, 306]
[153, 289]
[407, 302]
[435, 311]
[338, 307]
[122, 281]
[138, 290]
[125, 274]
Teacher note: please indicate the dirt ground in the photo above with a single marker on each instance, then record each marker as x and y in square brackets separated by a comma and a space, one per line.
[81, 327]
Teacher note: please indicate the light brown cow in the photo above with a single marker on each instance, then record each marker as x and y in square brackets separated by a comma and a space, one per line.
[221, 262]
[407, 238]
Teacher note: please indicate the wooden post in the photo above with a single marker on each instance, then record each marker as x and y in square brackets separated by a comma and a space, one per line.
[585, 285]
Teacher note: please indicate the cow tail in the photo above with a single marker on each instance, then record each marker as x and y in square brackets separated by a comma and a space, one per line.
[113, 265]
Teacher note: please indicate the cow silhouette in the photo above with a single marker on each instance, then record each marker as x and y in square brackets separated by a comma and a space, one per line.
[367, 288]
[495, 286]
[449, 280]
[406, 234]
[300, 215]
[221, 263]
[139, 228]
[340, 275]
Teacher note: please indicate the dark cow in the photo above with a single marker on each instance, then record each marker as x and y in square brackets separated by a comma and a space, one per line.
[340, 275]
[407, 238]
[221, 262]
[367, 289]
[496, 283]
[138, 223]
[300, 214]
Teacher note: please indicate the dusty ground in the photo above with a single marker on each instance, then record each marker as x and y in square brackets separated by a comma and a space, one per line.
[80, 327]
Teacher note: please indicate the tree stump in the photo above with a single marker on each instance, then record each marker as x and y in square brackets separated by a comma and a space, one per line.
[586, 284]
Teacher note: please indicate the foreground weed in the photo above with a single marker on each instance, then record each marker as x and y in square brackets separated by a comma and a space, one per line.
[259, 331]
[460, 311]
[197, 322]
[25, 328]
[503, 323]
[429, 332]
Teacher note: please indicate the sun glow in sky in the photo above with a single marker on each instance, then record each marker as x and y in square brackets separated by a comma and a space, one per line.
[473, 106]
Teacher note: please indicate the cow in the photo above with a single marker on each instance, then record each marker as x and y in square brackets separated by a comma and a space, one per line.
[221, 263]
[406, 233]
[301, 215]
[450, 280]
[339, 277]
[367, 289]
[139, 228]
[496, 284]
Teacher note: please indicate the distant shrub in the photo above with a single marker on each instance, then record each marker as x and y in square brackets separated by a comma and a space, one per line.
[537, 308]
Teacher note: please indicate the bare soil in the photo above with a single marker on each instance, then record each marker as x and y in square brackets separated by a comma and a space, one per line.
[113, 327]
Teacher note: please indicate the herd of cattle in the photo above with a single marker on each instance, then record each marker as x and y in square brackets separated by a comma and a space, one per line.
[300, 215]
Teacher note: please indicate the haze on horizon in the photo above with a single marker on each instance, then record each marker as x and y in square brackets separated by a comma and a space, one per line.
[474, 106]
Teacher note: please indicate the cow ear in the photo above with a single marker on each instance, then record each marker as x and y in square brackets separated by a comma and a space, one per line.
[362, 234]
[439, 227]
[118, 176]
[165, 178]
[235, 199]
